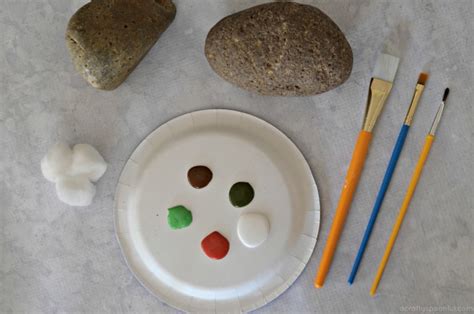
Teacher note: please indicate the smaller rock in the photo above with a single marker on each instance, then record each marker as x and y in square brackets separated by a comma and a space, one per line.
[108, 38]
[179, 217]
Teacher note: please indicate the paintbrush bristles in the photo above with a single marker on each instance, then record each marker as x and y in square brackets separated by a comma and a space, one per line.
[439, 113]
[386, 67]
[446, 93]
[422, 78]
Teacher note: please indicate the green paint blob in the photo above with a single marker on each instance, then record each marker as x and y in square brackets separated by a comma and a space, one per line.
[241, 194]
[179, 217]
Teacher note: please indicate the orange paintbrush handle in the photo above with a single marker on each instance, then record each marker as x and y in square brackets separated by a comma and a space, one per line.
[348, 190]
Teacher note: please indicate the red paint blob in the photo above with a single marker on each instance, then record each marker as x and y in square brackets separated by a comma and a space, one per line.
[215, 245]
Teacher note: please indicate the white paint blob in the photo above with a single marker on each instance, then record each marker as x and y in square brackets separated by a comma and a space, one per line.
[253, 229]
[73, 172]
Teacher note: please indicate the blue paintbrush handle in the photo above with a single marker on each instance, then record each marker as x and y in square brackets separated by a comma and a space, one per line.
[380, 196]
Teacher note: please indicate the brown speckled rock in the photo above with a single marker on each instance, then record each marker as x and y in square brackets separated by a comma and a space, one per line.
[108, 38]
[280, 48]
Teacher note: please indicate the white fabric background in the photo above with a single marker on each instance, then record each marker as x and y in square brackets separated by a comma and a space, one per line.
[55, 258]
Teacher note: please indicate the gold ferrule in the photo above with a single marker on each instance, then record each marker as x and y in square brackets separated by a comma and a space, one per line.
[414, 103]
[378, 93]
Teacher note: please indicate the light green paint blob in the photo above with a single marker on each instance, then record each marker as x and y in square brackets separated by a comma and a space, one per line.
[179, 217]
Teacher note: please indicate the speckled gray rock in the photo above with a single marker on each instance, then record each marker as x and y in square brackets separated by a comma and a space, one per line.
[108, 38]
[281, 48]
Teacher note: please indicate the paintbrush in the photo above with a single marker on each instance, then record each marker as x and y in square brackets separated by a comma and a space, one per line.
[380, 86]
[397, 149]
[410, 191]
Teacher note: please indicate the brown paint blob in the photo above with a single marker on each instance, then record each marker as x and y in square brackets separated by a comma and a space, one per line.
[215, 245]
[199, 176]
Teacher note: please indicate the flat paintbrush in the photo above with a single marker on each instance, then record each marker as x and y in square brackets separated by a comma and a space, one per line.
[409, 194]
[397, 149]
[380, 86]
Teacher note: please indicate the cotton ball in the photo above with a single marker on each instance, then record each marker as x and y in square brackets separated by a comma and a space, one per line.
[87, 161]
[75, 191]
[72, 171]
[57, 162]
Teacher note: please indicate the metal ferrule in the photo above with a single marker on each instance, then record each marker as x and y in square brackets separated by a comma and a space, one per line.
[378, 93]
[414, 103]
[437, 118]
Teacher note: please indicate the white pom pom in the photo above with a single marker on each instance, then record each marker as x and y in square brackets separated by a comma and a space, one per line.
[87, 161]
[57, 162]
[75, 191]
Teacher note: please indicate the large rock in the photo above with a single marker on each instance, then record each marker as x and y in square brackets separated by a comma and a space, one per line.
[108, 38]
[280, 48]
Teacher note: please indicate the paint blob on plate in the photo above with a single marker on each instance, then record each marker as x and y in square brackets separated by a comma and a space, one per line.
[215, 245]
[253, 229]
[241, 194]
[199, 176]
[179, 217]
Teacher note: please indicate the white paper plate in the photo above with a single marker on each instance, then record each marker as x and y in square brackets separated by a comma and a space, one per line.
[236, 147]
